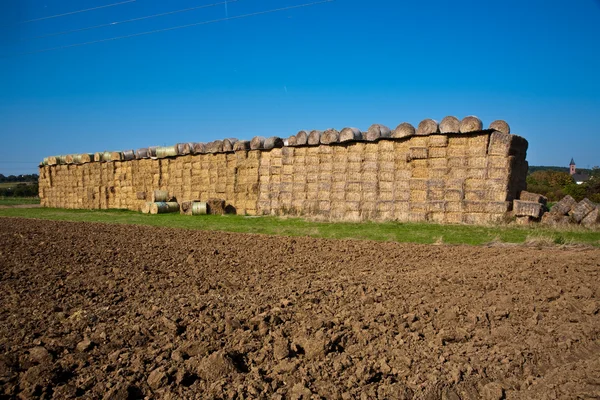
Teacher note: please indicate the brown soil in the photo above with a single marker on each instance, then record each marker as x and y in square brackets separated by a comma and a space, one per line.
[115, 311]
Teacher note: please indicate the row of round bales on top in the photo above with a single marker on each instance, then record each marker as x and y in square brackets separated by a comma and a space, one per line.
[448, 125]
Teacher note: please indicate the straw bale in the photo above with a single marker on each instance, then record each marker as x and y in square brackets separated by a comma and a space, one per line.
[457, 173]
[404, 130]
[330, 136]
[272, 143]
[418, 196]
[314, 137]
[453, 217]
[499, 161]
[437, 141]
[302, 138]
[437, 217]
[476, 195]
[376, 132]
[214, 147]
[438, 152]
[527, 208]
[471, 206]
[564, 206]
[500, 126]
[592, 219]
[435, 194]
[427, 127]
[417, 153]
[579, 211]
[475, 184]
[116, 156]
[183, 148]
[498, 207]
[385, 195]
[229, 143]
[456, 151]
[350, 134]
[450, 124]
[257, 142]
[353, 196]
[438, 172]
[500, 144]
[338, 195]
[477, 173]
[454, 194]
[417, 216]
[420, 173]
[385, 176]
[470, 124]
[498, 173]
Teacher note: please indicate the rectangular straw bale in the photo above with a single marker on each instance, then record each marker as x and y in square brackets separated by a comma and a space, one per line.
[387, 166]
[453, 217]
[354, 168]
[437, 217]
[475, 206]
[438, 152]
[436, 206]
[338, 177]
[369, 176]
[458, 140]
[418, 141]
[475, 184]
[298, 205]
[462, 152]
[403, 174]
[435, 194]
[438, 141]
[385, 195]
[386, 186]
[385, 146]
[338, 185]
[438, 173]
[437, 163]
[417, 216]
[418, 153]
[338, 196]
[457, 173]
[498, 207]
[476, 218]
[353, 196]
[418, 184]
[498, 173]
[369, 186]
[300, 176]
[455, 206]
[476, 195]
[499, 161]
[339, 166]
[324, 206]
[477, 162]
[418, 196]
[369, 196]
[287, 178]
[477, 173]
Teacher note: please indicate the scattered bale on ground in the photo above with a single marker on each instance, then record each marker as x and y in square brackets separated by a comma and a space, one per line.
[215, 206]
[403, 130]
[350, 134]
[272, 143]
[146, 207]
[330, 136]
[314, 137]
[592, 219]
[500, 126]
[257, 143]
[450, 124]
[527, 209]
[164, 207]
[581, 210]
[193, 207]
[470, 124]
[564, 206]
[377, 131]
[427, 127]
[555, 219]
[529, 196]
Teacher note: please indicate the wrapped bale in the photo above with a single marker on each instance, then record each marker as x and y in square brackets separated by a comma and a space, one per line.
[128, 155]
[450, 124]
[330, 136]
[257, 143]
[314, 137]
[164, 207]
[427, 127]
[159, 196]
[215, 147]
[301, 138]
[377, 131]
[215, 206]
[273, 142]
[470, 124]
[152, 151]
[164, 152]
[193, 207]
[183, 148]
[581, 210]
[142, 153]
[500, 126]
[404, 130]
[564, 206]
[527, 209]
[350, 134]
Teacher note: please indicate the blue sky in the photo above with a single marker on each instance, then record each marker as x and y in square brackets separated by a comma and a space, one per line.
[342, 63]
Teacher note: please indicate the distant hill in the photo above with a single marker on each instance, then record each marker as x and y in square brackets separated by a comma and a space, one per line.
[18, 178]
[533, 168]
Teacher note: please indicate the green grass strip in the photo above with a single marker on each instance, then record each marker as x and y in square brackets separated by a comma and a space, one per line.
[14, 201]
[426, 233]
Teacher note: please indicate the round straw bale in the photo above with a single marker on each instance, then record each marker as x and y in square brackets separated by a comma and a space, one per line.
[403, 130]
[160, 195]
[314, 137]
[427, 127]
[164, 207]
[128, 155]
[86, 158]
[228, 144]
[241, 145]
[116, 156]
[292, 140]
[377, 131]
[450, 124]
[52, 160]
[330, 136]
[257, 142]
[152, 151]
[273, 142]
[199, 148]
[183, 148]
[301, 138]
[500, 126]
[142, 153]
[215, 147]
[69, 159]
[470, 124]
[349, 134]
[145, 209]
[98, 156]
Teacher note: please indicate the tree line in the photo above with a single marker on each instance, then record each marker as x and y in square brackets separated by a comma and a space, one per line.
[555, 183]
[22, 185]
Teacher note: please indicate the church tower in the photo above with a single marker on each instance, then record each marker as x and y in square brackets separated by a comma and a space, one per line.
[572, 169]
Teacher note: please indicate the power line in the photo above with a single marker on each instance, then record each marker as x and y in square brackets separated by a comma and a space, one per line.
[171, 28]
[76, 12]
[129, 20]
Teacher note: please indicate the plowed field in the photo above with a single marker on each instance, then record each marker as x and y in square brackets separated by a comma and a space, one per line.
[116, 311]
